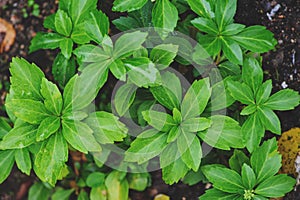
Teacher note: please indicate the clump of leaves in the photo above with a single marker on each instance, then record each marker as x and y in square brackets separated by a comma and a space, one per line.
[260, 103]
[47, 122]
[177, 137]
[249, 178]
[74, 23]
[222, 35]
[97, 185]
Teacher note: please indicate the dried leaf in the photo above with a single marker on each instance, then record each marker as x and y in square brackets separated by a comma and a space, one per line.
[9, 33]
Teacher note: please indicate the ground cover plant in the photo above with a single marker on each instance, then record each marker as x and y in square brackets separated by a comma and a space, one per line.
[157, 119]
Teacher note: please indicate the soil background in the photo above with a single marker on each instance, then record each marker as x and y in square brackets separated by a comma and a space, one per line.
[281, 65]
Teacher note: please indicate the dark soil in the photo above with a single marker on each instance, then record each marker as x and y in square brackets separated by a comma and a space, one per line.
[281, 65]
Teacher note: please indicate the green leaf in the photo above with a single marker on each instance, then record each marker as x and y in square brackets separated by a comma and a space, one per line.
[210, 43]
[6, 163]
[62, 194]
[26, 79]
[128, 5]
[169, 155]
[76, 116]
[160, 121]
[196, 124]
[206, 25]
[80, 136]
[248, 177]
[164, 17]
[138, 182]
[269, 119]
[173, 134]
[265, 160]
[256, 39]
[233, 29]
[283, 100]
[228, 68]
[145, 105]
[116, 188]
[63, 23]
[63, 69]
[202, 8]
[225, 11]
[276, 186]
[169, 93]
[190, 148]
[28, 110]
[224, 133]
[91, 53]
[118, 69]
[79, 34]
[215, 193]
[241, 92]
[163, 55]
[223, 179]
[66, 46]
[20, 136]
[248, 110]
[83, 195]
[252, 74]
[85, 87]
[165, 96]
[264, 92]
[4, 127]
[23, 160]
[177, 116]
[106, 127]
[79, 8]
[128, 43]
[39, 191]
[53, 99]
[232, 50]
[126, 23]
[146, 147]
[220, 97]
[196, 99]
[98, 193]
[192, 178]
[97, 26]
[45, 41]
[175, 171]
[252, 131]
[51, 158]
[237, 160]
[95, 179]
[64, 5]
[49, 22]
[48, 126]
[142, 72]
[258, 197]
[124, 98]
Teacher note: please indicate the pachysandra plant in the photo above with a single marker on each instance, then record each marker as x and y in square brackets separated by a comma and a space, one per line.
[163, 14]
[260, 103]
[222, 35]
[47, 121]
[50, 123]
[75, 22]
[177, 137]
[249, 178]
[108, 185]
